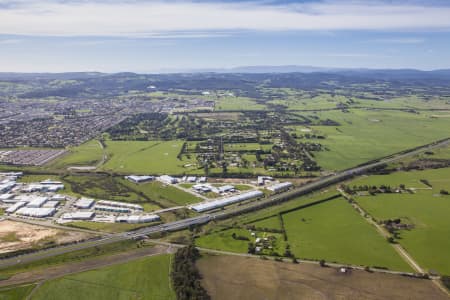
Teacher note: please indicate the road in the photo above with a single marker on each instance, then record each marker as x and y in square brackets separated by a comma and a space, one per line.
[203, 219]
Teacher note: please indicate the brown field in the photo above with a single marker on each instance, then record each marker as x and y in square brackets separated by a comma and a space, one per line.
[16, 236]
[232, 277]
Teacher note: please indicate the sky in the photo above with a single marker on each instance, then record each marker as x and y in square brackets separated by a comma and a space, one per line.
[155, 36]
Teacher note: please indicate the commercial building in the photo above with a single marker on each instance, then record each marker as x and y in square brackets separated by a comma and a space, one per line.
[226, 201]
[15, 207]
[36, 202]
[135, 219]
[36, 212]
[79, 215]
[120, 204]
[84, 203]
[167, 179]
[139, 179]
[280, 187]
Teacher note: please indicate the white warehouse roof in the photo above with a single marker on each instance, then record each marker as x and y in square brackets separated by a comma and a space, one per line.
[37, 212]
[84, 203]
[279, 186]
[225, 201]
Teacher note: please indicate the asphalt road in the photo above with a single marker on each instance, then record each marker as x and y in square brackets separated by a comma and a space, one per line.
[203, 219]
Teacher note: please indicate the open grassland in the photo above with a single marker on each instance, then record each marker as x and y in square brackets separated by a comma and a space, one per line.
[146, 278]
[334, 231]
[238, 104]
[87, 154]
[16, 293]
[164, 195]
[145, 157]
[427, 210]
[232, 277]
[109, 227]
[366, 135]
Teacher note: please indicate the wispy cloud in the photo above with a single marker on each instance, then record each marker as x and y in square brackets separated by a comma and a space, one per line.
[10, 41]
[399, 41]
[164, 19]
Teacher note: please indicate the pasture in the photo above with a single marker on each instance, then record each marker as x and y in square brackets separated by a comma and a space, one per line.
[335, 232]
[87, 154]
[426, 209]
[145, 157]
[146, 278]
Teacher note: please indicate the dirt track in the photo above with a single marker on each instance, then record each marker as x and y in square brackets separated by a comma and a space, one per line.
[230, 277]
[75, 267]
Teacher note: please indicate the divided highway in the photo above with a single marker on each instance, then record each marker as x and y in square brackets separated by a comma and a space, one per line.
[203, 219]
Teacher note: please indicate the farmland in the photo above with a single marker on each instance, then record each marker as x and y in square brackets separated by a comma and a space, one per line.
[251, 278]
[426, 210]
[146, 278]
[87, 154]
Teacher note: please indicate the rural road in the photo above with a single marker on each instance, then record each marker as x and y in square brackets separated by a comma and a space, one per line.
[203, 219]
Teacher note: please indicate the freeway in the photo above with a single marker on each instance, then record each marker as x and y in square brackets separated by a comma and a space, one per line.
[203, 219]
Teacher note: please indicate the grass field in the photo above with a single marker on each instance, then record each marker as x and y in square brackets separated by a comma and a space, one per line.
[145, 157]
[108, 227]
[366, 135]
[146, 278]
[238, 104]
[427, 210]
[165, 195]
[87, 154]
[334, 231]
[16, 293]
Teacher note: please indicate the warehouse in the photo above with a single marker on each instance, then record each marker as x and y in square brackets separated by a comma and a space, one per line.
[120, 204]
[53, 204]
[226, 201]
[139, 179]
[37, 201]
[280, 187]
[6, 197]
[15, 207]
[84, 203]
[223, 189]
[135, 219]
[58, 197]
[51, 182]
[79, 215]
[167, 179]
[6, 187]
[122, 210]
[34, 212]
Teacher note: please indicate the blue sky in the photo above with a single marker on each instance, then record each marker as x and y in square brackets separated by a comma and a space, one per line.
[149, 36]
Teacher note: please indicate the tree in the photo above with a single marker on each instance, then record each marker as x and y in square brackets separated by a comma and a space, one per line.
[322, 263]
[444, 192]
[251, 248]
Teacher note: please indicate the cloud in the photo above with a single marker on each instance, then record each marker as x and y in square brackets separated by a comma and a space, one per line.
[10, 41]
[399, 41]
[163, 19]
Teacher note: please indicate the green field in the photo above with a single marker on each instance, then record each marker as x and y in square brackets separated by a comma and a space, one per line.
[366, 135]
[334, 231]
[238, 104]
[427, 210]
[16, 293]
[145, 157]
[87, 154]
[146, 278]
[165, 195]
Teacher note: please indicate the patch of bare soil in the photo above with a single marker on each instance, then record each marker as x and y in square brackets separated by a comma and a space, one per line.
[16, 236]
[232, 277]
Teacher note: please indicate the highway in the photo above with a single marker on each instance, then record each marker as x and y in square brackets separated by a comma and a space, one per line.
[203, 219]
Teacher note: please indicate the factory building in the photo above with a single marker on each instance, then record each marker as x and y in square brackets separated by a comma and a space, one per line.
[84, 203]
[120, 204]
[112, 209]
[139, 179]
[79, 215]
[36, 212]
[36, 202]
[6, 197]
[135, 219]
[166, 179]
[280, 187]
[15, 207]
[226, 201]
[6, 187]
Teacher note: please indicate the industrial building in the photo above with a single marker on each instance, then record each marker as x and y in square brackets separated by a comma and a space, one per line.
[84, 203]
[52, 204]
[79, 215]
[262, 180]
[226, 201]
[36, 212]
[223, 189]
[135, 219]
[120, 204]
[36, 201]
[6, 196]
[202, 188]
[280, 187]
[6, 187]
[139, 179]
[113, 209]
[15, 207]
[167, 179]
